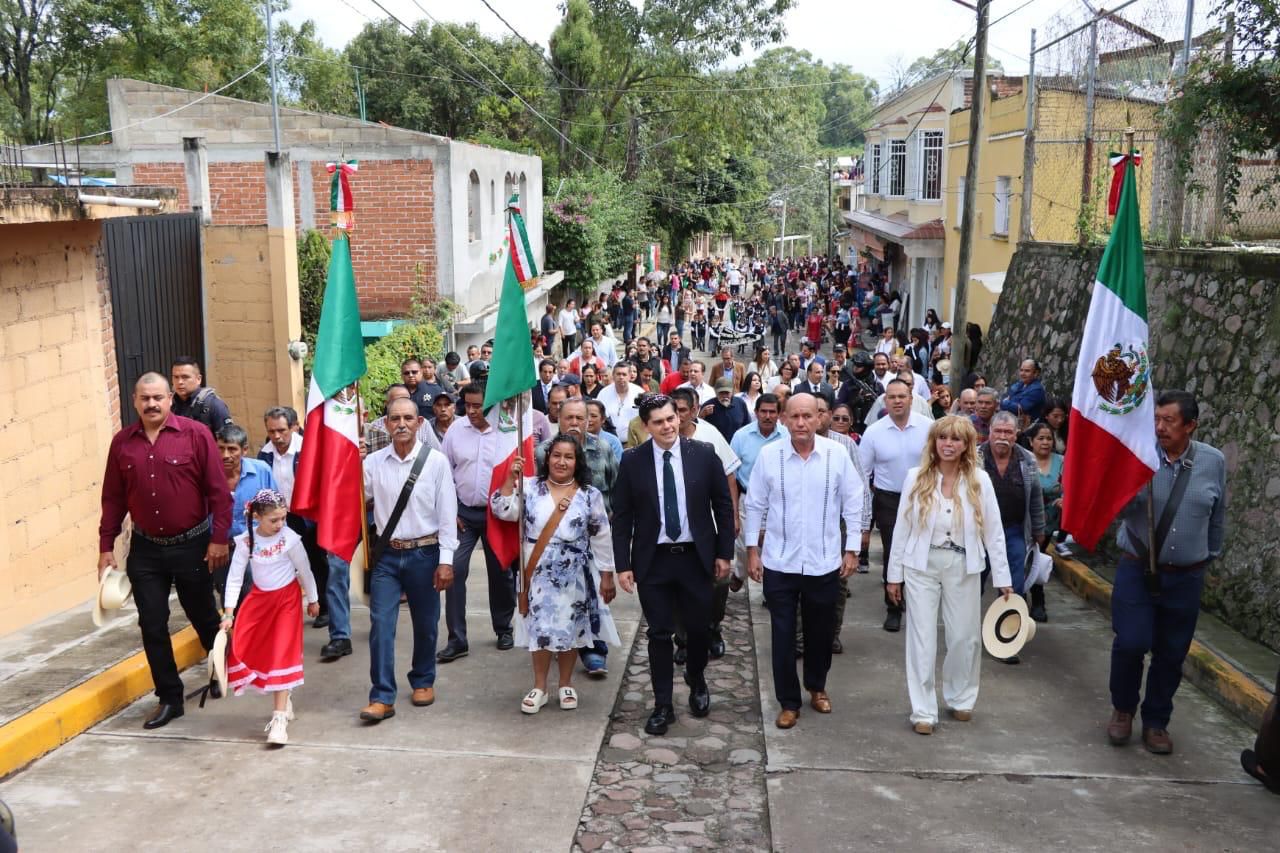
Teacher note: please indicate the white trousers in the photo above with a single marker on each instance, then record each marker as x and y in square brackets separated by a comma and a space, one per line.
[944, 582]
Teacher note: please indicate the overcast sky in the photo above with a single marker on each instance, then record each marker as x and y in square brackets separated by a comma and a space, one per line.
[868, 35]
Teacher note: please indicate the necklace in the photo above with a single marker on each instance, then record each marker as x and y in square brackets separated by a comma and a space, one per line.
[558, 483]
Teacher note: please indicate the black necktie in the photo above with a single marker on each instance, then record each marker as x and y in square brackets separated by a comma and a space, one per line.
[670, 500]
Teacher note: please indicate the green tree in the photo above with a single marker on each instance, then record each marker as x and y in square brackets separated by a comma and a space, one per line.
[942, 61]
[575, 56]
[312, 76]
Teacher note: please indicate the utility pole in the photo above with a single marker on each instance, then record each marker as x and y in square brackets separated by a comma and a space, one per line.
[830, 236]
[275, 106]
[782, 235]
[1178, 196]
[1086, 174]
[959, 340]
[1029, 148]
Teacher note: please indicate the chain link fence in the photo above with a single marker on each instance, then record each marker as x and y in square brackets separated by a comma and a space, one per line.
[1096, 77]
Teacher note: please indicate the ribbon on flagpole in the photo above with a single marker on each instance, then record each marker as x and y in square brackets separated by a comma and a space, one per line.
[1117, 177]
[341, 201]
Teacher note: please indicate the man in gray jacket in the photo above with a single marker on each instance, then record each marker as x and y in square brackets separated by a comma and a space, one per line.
[1014, 475]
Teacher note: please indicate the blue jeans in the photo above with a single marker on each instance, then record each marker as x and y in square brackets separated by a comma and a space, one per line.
[412, 573]
[1016, 547]
[1163, 625]
[664, 331]
[339, 591]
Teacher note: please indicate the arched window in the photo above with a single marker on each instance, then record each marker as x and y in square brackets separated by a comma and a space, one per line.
[493, 197]
[524, 194]
[473, 208]
[508, 187]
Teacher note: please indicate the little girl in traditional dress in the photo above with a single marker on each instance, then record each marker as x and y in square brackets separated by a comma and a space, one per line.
[265, 652]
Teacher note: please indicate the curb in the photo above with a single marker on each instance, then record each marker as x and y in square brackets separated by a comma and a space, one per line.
[1233, 688]
[47, 727]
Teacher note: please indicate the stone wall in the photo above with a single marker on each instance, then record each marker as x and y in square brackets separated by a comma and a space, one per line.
[1215, 330]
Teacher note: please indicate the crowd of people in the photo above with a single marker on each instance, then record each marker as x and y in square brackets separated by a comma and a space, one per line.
[672, 477]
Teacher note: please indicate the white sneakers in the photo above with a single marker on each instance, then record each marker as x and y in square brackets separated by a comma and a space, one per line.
[278, 729]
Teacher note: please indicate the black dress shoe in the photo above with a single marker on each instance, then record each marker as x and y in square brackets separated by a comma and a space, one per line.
[893, 621]
[505, 641]
[451, 653]
[321, 621]
[1038, 613]
[162, 715]
[680, 656]
[662, 716]
[335, 649]
[837, 647]
[716, 649]
[215, 689]
[700, 698]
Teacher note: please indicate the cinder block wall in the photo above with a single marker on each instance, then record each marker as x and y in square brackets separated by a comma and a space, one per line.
[59, 406]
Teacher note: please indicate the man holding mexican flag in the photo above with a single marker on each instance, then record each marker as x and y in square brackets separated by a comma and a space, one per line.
[1117, 465]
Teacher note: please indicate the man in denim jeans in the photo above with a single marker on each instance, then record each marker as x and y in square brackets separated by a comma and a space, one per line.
[1158, 615]
[417, 560]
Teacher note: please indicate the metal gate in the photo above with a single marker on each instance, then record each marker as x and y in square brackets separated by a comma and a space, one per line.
[153, 263]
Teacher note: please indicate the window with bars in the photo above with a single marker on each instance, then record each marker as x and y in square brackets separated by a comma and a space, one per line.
[875, 169]
[1004, 190]
[931, 165]
[897, 167]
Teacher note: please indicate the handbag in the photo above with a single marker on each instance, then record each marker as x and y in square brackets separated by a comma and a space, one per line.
[544, 538]
[383, 537]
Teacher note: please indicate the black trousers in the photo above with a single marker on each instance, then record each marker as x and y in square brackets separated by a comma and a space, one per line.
[219, 578]
[677, 586]
[815, 598]
[1267, 746]
[154, 570]
[884, 511]
[316, 557]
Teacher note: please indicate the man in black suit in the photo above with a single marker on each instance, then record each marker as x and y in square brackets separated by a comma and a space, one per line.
[813, 383]
[672, 537]
[546, 381]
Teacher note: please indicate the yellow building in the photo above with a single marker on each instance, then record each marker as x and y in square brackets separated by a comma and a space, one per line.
[1056, 208]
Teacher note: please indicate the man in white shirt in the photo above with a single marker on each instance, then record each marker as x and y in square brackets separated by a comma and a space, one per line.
[473, 447]
[807, 485]
[620, 398]
[889, 448]
[706, 394]
[568, 320]
[604, 346]
[416, 561]
[919, 385]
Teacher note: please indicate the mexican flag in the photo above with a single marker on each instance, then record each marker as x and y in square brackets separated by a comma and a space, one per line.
[1113, 441]
[511, 375]
[652, 257]
[327, 489]
[522, 260]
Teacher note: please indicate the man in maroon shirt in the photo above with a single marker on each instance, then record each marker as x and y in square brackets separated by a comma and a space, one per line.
[166, 473]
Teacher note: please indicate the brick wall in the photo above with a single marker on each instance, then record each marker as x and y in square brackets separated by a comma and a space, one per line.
[393, 249]
[52, 443]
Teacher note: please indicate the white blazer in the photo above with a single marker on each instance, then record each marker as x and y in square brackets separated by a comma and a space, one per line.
[911, 541]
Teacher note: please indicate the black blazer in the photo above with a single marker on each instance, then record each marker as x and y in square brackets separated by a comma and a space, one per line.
[635, 507]
[540, 399]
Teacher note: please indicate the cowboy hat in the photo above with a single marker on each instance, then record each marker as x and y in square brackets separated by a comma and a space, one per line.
[357, 573]
[1039, 566]
[113, 590]
[218, 660]
[1007, 627]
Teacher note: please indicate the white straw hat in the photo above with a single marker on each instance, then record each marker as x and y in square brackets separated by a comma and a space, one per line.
[1039, 567]
[1007, 627]
[218, 660]
[114, 590]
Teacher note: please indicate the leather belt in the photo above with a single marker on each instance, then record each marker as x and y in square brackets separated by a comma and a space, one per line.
[410, 544]
[199, 530]
[948, 546]
[1168, 568]
[675, 547]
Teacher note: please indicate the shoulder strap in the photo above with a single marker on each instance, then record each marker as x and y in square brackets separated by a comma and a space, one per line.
[384, 536]
[202, 398]
[544, 538]
[1181, 479]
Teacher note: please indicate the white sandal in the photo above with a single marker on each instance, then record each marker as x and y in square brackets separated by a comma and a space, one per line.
[568, 699]
[533, 701]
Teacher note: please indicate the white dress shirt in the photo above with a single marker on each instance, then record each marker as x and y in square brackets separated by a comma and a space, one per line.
[472, 455]
[607, 350]
[804, 500]
[433, 505]
[568, 321]
[677, 465]
[704, 391]
[620, 408]
[703, 431]
[282, 466]
[889, 452]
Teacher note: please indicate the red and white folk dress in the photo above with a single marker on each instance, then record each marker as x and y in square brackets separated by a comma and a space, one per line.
[265, 652]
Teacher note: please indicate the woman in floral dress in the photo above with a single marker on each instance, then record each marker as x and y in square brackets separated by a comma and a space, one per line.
[572, 583]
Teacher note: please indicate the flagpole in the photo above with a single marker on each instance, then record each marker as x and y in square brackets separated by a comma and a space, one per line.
[364, 501]
[519, 485]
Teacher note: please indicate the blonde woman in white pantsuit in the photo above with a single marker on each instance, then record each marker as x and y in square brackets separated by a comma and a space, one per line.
[948, 525]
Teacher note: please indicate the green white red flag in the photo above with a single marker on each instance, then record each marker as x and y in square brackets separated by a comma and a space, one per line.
[511, 375]
[328, 485]
[653, 257]
[522, 260]
[1112, 426]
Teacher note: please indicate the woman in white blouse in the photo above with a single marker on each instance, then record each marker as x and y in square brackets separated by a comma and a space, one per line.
[763, 365]
[948, 525]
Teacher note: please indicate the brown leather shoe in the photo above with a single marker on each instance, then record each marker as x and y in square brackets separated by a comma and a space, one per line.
[1120, 729]
[820, 701]
[1157, 741]
[424, 696]
[922, 728]
[961, 716]
[376, 712]
[787, 719]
